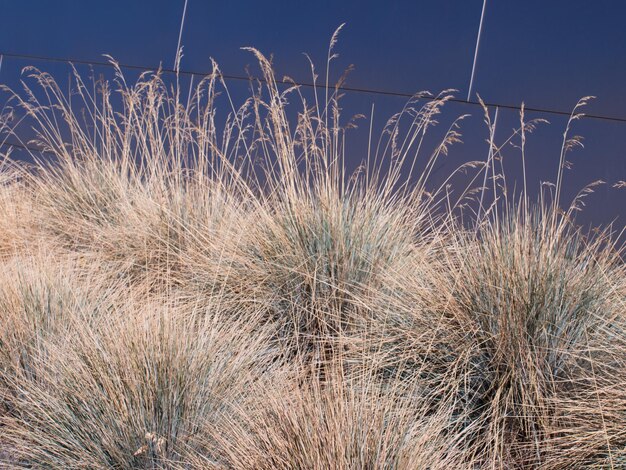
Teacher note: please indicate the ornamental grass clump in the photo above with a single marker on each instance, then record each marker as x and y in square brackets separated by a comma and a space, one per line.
[131, 392]
[183, 291]
[543, 306]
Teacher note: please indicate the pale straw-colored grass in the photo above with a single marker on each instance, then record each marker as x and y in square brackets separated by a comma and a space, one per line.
[182, 291]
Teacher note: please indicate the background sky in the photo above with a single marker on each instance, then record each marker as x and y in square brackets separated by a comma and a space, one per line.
[545, 53]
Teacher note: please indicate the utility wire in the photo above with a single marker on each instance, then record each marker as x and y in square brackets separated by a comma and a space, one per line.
[371, 91]
[180, 37]
[480, 30]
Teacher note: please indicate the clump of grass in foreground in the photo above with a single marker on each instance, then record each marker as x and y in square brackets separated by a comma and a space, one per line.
[132, 391]
[543, 306]
[186, 294]
[304, 423]
[40, 299]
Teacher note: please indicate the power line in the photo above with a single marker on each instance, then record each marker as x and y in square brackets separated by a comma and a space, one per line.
[370, 91]
[480, 30]
[180, 37]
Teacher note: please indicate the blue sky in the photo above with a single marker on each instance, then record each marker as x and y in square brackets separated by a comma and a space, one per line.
[547, 54]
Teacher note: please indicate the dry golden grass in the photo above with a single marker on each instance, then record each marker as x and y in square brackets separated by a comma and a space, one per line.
[180, 293]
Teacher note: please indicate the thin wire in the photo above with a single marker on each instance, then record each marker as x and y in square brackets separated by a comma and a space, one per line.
[480, 30]
[180, 37]
[311, 85]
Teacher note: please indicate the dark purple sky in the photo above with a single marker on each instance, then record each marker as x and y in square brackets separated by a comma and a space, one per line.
[545, 53]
